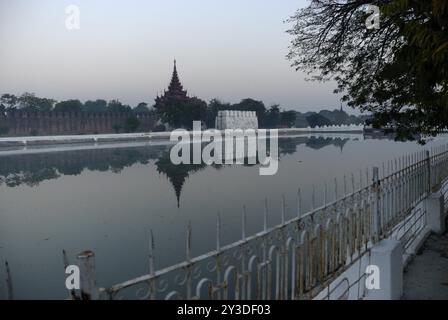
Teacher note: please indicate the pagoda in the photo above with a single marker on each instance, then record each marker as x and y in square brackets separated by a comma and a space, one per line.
[175, 89]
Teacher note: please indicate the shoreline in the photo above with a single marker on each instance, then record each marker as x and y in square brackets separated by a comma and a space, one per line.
[9, 142]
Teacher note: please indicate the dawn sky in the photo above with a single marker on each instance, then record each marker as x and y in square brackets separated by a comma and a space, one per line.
[124, 50]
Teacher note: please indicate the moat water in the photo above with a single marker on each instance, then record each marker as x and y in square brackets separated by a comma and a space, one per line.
[108, 199]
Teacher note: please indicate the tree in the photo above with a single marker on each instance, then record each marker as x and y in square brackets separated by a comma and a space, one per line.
[69, 106]
[141, 107]
[117, 106]
[272, 117]
[117, 127]
[288, 118]
[181, 113]
[3, 130]
[398, 72]
[301, 121]
[45, 104]
[317, 120]
[214, 106]
[340, 117]
[252, 105]
[132, 123]
[98, 105]
[9, 100]
[29, 102]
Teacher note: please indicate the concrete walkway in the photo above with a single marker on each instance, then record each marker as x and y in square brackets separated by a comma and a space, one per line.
[426, 277]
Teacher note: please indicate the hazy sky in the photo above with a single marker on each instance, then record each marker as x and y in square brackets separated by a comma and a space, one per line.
[229, 49]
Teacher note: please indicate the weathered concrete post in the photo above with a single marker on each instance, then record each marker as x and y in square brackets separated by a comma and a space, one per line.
[89, 290]
[386, 256]
[435, 212]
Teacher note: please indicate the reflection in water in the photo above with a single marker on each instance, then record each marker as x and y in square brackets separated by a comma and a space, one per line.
[176, 174]
[32, 169]
[289, 145]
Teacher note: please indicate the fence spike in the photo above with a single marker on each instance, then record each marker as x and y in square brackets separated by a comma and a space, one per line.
[189, 241]
[65, 259]
[265, 220]
[345, 185]
[335, 189]
[376, 224]
[313, 198]
[299, 203]
[325, 193]
[360, 179]
[152, 269]
[283, 209]
[353, 183]
[218, 232]
[243, 222]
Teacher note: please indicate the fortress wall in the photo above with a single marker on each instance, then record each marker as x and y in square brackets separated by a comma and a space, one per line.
[20, 123]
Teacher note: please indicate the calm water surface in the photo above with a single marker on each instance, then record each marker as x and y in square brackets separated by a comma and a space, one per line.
[108, 200]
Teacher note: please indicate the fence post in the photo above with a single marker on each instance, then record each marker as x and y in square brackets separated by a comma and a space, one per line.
[89, 290]
[376, 226]
[428, 168]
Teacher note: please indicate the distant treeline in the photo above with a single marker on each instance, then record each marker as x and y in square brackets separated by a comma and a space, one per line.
[274, 117]
[181, 113]
[29, 102]
[327, 118]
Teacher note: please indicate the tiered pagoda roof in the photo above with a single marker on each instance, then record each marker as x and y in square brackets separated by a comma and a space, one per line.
[175, 89]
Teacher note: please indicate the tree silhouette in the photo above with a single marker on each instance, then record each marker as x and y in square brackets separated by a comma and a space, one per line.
[398, 72]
